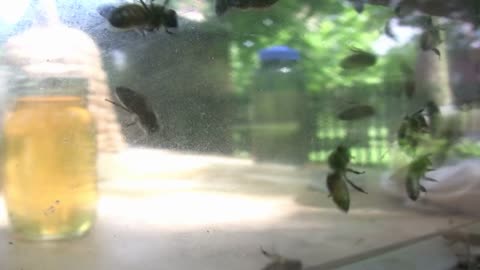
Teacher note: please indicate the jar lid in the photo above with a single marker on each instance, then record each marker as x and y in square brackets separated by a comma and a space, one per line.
[278, 53]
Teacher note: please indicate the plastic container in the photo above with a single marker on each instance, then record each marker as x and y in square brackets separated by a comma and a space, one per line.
[280, 114]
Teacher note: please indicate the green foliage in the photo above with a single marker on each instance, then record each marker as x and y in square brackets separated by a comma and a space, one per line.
[324, 31]
[321, 30]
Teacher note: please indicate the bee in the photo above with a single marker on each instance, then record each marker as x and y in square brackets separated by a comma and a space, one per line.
[281, 263]
[337, 180]
[416, 171]
[430, 38]
[137, 105]
[358, 5]
[358, 59]
[141, 17]
[221, 6]
[411, 129]
[356, 112]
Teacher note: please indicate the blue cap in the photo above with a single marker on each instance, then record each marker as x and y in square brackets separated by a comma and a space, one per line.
[279, 53]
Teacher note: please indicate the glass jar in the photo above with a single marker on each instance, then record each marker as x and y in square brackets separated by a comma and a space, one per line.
[50, 159]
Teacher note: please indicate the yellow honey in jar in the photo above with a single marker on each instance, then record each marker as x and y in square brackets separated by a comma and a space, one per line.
[50, 167]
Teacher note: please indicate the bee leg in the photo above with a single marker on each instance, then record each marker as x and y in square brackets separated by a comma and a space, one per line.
[418, 112]
[355, 186]
[133, 121]
[430, 179]
[142, 32]
[354, 171]
[422, 188]
[118, 105]
[266, 253]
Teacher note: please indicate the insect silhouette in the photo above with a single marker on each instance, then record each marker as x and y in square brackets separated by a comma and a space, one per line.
[358, 5]
[140, 17]
[358, 59]
[221, 6]
[430, 38]
[137, 105]
[356, 112]
[412, 128]
[337, 179]
[281, 263]
[416, 171]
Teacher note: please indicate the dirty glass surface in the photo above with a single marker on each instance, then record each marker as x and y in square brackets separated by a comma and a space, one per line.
[238, 134]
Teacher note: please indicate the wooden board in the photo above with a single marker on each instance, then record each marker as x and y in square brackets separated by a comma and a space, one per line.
[219, 217]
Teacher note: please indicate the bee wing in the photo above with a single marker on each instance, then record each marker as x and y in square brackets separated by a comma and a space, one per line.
[358, 60]
[426, 178]
[131, 99]
[436, 51]
[339, 191]
[148, 123]
[350, 62]
[352, 184]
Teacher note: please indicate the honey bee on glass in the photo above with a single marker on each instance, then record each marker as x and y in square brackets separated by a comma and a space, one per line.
[140, 17]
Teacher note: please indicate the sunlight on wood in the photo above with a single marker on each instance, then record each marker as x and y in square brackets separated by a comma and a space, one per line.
[190, 210]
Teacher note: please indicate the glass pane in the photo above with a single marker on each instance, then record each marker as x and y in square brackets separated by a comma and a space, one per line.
[237, 134]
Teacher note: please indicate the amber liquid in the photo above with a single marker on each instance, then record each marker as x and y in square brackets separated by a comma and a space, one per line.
[50, 167]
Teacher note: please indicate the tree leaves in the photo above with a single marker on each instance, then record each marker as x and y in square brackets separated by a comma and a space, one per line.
[321, 30]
